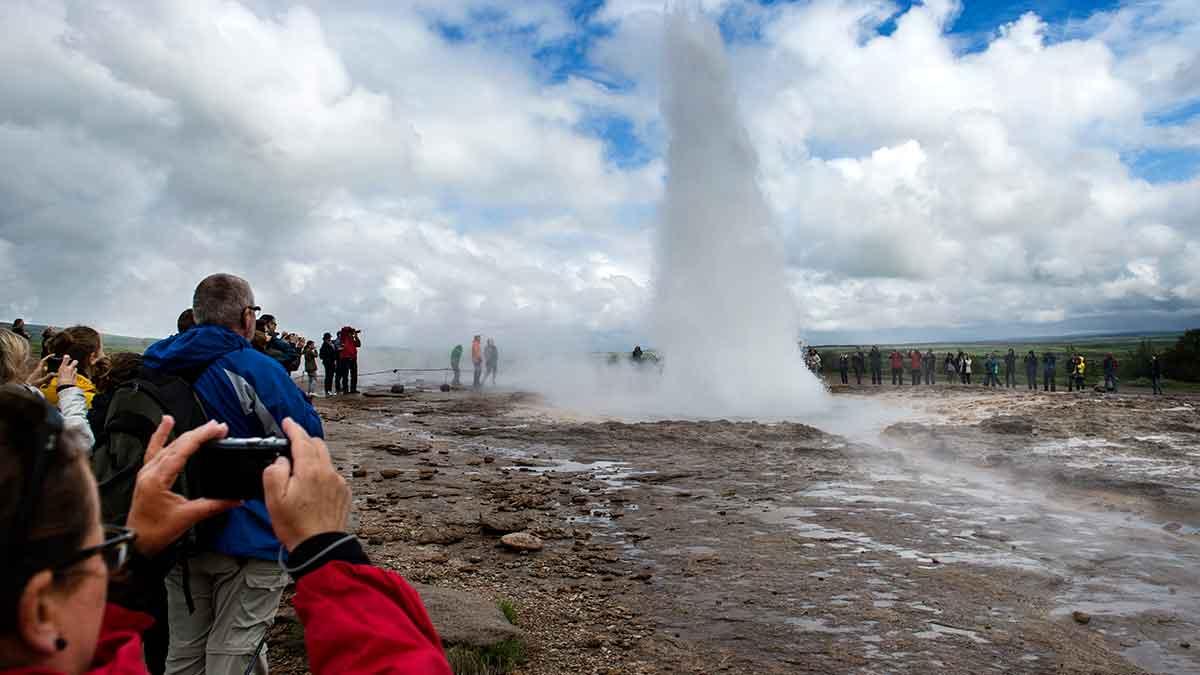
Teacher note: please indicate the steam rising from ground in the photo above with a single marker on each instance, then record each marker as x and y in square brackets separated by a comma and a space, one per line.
[722, 317]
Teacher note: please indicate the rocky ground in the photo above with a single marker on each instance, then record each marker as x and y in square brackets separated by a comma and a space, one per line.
[946, 529]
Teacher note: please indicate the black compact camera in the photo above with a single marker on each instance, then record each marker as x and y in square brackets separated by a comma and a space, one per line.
[54, 363]
[232, 468]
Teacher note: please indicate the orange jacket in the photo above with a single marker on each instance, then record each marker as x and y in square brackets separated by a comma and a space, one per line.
[476, 351]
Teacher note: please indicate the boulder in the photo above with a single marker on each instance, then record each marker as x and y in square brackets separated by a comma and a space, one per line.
[397, 389]
[1008, 424]
[499, 522]
[389, 473]
[522, 541]
[464, 618]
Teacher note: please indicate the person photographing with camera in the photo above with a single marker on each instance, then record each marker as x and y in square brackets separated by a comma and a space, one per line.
[348, 338]
[71, 585]
[223, 593]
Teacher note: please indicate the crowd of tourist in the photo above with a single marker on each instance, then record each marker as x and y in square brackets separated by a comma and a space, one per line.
[965, 368]
[111, 565]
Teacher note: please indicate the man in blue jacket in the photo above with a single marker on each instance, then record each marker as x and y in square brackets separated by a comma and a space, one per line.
[222, 600]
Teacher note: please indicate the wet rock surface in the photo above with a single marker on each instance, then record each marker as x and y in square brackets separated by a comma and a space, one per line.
[933, 541]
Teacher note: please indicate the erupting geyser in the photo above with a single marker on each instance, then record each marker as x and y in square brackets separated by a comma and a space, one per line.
[723, 316]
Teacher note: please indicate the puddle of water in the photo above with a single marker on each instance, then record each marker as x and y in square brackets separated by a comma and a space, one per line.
[937, 630]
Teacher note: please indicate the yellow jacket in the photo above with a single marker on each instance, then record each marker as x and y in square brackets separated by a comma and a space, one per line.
[1079, 367]
[50, 391]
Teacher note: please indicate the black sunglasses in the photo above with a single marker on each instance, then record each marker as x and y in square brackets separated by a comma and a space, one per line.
[118, 541]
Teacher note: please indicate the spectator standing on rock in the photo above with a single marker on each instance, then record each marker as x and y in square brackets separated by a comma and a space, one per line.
[348, 360]
[310, 366]
[477, 360]
[329, 359]
[930, 364]
[1049, 366]
[844, 368]
[1031, 364]
[1072, 364]
[966, 368]
[876, 366]
[637, 354]
[1080, 372]
[914, 366]
[455, 361]
[1010, 369]
[950, 368]
[1110, 373]
[491, 359]
[858, 361]
[897, 363]
[1156, 374]
[18, 327]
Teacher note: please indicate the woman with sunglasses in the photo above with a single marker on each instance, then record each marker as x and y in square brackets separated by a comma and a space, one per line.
[68, 606]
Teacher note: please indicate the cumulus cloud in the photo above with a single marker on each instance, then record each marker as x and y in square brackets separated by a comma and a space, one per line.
[410, 167]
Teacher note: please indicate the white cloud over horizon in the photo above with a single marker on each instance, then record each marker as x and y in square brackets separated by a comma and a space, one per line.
[360, 165]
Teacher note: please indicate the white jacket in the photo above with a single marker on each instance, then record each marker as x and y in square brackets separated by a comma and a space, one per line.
[73, 407]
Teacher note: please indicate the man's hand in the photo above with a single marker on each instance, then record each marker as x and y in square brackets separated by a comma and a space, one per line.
[158, 515]
[305, 496]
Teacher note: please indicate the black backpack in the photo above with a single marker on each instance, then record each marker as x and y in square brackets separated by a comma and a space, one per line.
[133, 415]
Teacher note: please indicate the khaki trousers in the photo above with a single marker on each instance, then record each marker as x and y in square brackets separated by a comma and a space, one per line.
[236, 600]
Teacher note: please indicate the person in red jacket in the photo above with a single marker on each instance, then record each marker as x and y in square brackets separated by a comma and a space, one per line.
[897, 362]
[349, 341]
[64, 609]
[914, 366]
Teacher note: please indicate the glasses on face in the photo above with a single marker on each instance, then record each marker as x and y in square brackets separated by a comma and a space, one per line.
[118, 541]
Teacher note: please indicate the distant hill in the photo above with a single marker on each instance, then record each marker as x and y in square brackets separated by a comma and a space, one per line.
[112, 343]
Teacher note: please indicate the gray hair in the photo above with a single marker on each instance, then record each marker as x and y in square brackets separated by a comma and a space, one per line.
[222, 299]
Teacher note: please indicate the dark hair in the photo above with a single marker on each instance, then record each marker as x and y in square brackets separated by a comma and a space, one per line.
[186, 320]
[17, 323]
[64, 510]
[267, 318]
[78, 342]
[122, 367]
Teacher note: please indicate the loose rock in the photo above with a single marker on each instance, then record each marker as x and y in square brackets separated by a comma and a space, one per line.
[522, 541]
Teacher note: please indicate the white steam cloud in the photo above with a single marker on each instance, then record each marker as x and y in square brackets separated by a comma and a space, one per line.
[723, 318]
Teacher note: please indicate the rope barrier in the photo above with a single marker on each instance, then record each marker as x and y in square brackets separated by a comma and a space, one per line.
[407, 370]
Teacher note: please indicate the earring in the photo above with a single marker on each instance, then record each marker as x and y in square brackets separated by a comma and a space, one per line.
[60, 644]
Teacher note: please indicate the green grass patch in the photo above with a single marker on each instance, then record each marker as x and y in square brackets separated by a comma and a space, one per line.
[508, 609]
[498, 659]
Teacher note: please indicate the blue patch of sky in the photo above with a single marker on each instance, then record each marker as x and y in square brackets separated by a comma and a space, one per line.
[1176, 114]
[622, 145]
[1164, 165]
[978, 21]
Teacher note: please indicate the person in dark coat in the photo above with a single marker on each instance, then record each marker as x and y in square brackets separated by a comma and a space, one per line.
[1049, 364]
[1156, 374]
[876, 366]
[844, 368]
[1031, 364]
[329, 361]
[858, 362]
[1010, 369]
